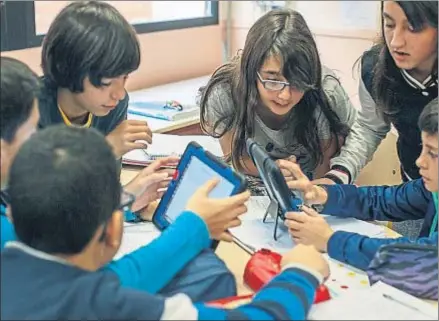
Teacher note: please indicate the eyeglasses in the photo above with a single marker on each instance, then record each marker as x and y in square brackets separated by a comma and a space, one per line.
[4, 197]
[125, 202]
[273, 85]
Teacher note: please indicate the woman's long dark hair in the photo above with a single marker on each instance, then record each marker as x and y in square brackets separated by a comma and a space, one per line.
[281, 33]
[386, 75]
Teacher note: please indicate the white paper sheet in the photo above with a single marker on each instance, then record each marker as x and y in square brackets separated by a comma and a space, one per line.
[135, 236]
[379, 302]
[167, 145]
[257, 234]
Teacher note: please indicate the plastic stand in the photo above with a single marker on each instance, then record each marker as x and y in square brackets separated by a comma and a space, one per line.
[272, 210]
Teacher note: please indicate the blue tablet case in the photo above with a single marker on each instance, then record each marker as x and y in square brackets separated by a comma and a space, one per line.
[194, 152]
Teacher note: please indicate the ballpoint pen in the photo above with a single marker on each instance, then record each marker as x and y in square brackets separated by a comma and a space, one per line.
[146, 153]
[403, 302]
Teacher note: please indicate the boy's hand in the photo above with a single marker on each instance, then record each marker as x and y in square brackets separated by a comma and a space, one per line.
[150, 184]
[125, 137]
[285, 172]
[218, 214]
[309, 228]
[296, 180]
[307, 256]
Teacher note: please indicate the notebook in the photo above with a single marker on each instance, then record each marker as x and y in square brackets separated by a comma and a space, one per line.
[157, 109]
[164, 145]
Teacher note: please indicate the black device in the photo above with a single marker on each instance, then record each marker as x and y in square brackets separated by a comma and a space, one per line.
[274, 181]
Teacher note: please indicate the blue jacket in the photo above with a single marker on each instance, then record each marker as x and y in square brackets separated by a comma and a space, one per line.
[409, 201]
[38, 286]
[148, 267]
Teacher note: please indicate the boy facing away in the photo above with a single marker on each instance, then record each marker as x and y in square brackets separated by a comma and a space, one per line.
[66, 207]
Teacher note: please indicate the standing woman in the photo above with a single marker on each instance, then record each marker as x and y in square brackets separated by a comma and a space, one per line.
[398, 78]
[278, 93]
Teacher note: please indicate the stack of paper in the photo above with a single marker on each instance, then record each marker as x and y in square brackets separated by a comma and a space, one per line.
[168, 145]
[379, 302]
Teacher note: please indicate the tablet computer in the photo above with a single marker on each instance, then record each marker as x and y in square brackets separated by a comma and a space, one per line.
[273, 179]
[195, 168]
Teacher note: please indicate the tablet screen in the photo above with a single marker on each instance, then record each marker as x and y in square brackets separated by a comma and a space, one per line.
[196, 174]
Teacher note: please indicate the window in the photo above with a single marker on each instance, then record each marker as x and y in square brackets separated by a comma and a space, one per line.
[24, 23]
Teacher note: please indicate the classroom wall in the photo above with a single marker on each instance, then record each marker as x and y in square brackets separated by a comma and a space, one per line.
[167, 56]
[200, 51]
[339, 48]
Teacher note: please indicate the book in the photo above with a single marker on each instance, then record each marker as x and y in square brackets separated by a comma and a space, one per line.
[161, 110]
[164, 145]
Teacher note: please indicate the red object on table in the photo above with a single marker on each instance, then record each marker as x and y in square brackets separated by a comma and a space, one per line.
[264, 265]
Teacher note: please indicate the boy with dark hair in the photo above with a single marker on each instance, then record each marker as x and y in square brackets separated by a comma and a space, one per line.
[65, 238]
[416, 199]
[87, 55]
[143, 269]
[19, 86]
[18, 121]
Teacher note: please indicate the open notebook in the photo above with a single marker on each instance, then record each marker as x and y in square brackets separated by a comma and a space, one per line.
[168, 145]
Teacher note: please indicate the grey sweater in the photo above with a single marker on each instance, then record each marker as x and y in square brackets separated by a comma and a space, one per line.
[220, 103]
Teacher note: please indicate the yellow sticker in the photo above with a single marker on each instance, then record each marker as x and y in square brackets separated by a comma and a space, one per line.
[351, 273]
[364, 282]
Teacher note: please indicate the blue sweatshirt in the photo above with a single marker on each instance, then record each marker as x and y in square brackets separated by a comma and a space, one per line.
[7, 229]
[148, 267]
[39, 286]
[408, 201]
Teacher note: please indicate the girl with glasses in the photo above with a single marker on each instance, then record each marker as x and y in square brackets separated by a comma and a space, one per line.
[278, 93]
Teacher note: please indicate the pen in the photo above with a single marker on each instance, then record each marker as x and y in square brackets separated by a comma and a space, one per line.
[146, 153]
[406, 304]
[146, 114]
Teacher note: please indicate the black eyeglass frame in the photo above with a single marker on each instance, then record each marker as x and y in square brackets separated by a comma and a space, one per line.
[125, 203]
[277, 82]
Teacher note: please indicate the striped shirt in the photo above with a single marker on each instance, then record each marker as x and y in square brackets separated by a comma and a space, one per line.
[36, 285]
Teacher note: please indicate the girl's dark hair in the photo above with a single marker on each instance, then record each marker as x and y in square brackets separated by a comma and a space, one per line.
[386, 75]
[282, 33]
[428, 120]
[88, 39]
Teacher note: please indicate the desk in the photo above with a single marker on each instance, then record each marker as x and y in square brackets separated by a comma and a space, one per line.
[185, 92]
[234, 256]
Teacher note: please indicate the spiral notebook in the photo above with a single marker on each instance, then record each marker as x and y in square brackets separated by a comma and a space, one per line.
[164, 145]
